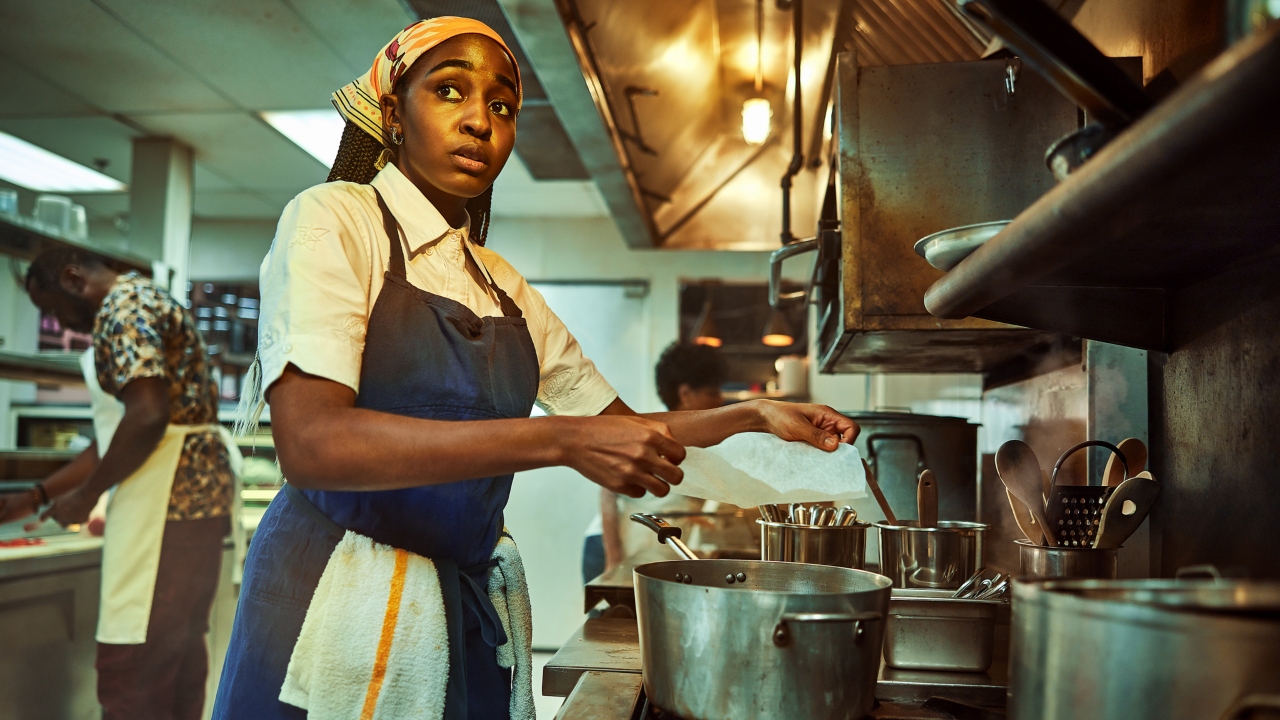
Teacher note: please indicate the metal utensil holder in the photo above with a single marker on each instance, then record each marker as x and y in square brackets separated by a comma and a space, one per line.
[844, 546]
[1040, 562]
[941, 557]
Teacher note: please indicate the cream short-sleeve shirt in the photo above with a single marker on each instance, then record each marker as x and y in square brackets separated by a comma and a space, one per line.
[325, 269]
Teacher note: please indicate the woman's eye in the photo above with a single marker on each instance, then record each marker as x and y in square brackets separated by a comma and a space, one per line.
[448, 92]
[500, 107]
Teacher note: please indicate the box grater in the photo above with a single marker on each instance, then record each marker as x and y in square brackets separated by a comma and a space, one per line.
[1074, 511]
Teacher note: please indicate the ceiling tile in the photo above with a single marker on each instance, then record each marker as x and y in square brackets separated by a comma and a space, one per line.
[242, 149]
[80, 47]
[355, 29]
[22, 94]
[82, 139]
[258, 52]
[206, 179]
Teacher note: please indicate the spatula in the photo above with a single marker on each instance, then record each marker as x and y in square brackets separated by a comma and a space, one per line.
[1019, 469]
[875, 490]
[1026, 523]
[1135, 451]
[1125, 510]
[927, 500]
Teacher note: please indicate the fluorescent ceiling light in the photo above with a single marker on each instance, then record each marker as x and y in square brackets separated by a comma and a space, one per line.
[22, 163]
[316, 131]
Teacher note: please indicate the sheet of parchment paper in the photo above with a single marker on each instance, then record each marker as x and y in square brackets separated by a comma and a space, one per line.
[754, 469]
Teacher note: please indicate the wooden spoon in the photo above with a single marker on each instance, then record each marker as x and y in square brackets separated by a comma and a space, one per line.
[1135, 453]
[1026, 523]
[1125, 510]
[1019, 469]
[927, 500]
[875, 490]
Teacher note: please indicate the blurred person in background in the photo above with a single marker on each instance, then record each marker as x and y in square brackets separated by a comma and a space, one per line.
[173, 471]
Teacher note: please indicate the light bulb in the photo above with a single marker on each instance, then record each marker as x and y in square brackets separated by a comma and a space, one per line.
[756, 118]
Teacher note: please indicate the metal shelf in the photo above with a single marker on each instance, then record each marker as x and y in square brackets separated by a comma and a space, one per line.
[44, 368]
[1190, 191]
[24, 237]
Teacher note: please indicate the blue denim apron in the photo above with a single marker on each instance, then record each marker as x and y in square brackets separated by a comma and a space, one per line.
[425, 356]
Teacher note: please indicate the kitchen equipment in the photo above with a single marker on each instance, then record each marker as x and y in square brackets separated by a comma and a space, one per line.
[1070, 152]
[750, 638]
[1125, 510]
[841, 546]
[77, 223]
[1026, 523]
[945, 249]
[1040, 562]
[1020, 471]
[1142, 649]
[928, 630]
[941, 557]
[927, 500]
[879, 495]
[54, 211]
[898, 446]
[8, 201]
[1135, 452]
[1074, 511]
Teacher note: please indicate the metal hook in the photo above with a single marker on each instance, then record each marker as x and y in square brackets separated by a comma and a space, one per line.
[1012, 67]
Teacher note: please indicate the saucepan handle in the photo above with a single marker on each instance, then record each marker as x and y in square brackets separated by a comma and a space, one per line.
[1204, 571]
[667, 534]
[782, 631]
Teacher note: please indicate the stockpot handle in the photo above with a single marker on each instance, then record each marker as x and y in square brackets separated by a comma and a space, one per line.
[1208, 571]
[921, 462]
[782, 633]
[1088, 443]
[1248, 703]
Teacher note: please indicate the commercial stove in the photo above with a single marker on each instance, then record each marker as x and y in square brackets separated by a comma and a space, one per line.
[599, 671]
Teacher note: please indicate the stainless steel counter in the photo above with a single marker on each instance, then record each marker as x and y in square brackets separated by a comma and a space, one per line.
[612, 645]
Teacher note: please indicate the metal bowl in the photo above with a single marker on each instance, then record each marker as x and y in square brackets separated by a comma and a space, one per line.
[944, 250]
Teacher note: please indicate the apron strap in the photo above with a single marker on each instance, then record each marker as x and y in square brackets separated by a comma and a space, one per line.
[305, 506]
[395, 260]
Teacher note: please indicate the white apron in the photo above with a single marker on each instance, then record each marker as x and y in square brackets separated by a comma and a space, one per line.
[135, 521]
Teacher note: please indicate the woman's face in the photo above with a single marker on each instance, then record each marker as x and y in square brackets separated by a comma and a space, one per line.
[456, 107]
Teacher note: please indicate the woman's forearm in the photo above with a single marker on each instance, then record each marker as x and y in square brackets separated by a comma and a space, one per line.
[702, 428]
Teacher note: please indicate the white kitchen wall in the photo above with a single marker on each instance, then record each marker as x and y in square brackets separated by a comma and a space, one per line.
[18, 332]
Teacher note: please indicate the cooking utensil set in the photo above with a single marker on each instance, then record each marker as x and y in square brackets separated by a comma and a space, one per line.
[1075, 516]
[811, 516]
[981, 587]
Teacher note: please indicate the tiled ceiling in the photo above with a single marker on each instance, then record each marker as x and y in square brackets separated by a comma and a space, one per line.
[82, 78]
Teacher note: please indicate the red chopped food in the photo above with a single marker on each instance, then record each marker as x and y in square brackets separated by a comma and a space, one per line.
[21, 542]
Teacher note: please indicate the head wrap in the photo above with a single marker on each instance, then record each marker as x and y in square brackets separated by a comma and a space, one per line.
[360, 101]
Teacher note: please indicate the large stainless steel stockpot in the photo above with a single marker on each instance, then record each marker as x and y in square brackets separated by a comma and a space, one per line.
[1143, 649]
[899, 445]
[748, 639]
[939, 557]
[842, 546]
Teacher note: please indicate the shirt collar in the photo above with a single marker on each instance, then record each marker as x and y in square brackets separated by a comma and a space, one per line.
[422, 222]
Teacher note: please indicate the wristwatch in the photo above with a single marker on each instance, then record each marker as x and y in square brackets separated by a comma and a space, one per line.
[39, 495]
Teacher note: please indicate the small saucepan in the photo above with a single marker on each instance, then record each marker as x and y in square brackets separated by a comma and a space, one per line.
[755, 638]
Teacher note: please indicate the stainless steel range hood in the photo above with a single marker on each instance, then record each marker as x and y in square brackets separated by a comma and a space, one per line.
[669, 77]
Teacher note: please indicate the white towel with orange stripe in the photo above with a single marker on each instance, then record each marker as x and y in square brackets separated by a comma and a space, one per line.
[374, 644]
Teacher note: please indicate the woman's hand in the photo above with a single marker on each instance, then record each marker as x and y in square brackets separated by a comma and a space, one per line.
[15, 506]
[818, 425]
[623, 453]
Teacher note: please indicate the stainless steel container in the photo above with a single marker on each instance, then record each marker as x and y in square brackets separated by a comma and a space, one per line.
[940, 557]
[1040, 562]
[753, 639]
[898, 445]
[930, 630]
[839, 546]
[1143, 649]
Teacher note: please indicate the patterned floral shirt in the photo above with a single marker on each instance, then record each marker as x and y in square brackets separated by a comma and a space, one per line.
[142, 332]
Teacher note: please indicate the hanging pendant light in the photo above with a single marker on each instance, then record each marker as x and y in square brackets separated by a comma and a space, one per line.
[705, 332]
[777, 332]
[757, 114]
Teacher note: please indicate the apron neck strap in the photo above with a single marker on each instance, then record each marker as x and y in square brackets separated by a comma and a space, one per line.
[395, 259]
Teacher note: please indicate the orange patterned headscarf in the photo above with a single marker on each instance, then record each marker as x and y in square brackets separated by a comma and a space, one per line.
[360, 101]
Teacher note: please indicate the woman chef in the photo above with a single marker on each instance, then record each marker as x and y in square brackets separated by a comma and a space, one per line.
[401, 359]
